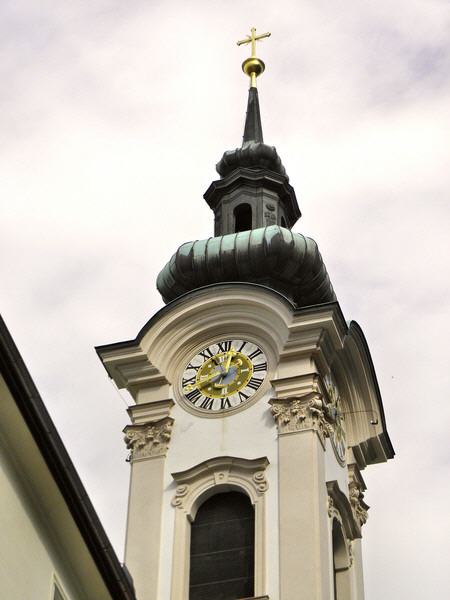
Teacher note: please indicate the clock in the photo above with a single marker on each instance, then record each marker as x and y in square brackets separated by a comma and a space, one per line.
[223, 376]
[336, 415]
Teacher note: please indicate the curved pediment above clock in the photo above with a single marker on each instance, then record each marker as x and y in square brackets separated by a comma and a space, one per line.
[217, 312]
[166, 343]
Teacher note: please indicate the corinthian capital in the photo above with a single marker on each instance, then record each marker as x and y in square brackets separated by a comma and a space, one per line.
[148, 439]
[299, 413]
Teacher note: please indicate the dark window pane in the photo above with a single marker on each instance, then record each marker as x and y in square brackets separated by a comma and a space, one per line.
[242, 217]
[222, 549]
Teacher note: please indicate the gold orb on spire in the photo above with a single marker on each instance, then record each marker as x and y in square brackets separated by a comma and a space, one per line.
[253, 66]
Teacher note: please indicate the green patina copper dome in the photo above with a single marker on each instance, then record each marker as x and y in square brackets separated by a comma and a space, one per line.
[272, 256]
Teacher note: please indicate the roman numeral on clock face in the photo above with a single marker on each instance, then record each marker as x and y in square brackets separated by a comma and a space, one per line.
[225, 403]
[188, 381]
[194, 396]
[207, 353]
[255, 353]
[224, 346]
[243, 397]
[207, 403]
[261, 367]
[254, 383]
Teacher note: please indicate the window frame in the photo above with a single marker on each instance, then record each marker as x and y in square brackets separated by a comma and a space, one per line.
[195, 486]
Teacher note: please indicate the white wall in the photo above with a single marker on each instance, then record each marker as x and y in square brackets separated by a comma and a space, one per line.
[28, 558]
[247, 434]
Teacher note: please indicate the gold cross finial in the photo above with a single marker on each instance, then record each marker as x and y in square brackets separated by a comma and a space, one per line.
[253, 66]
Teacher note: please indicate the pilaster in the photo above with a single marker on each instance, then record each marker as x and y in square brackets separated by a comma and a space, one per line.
[147, 439]
[303, 497]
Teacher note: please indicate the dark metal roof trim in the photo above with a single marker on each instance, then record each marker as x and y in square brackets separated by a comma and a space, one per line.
[355, 329]
[29, 402]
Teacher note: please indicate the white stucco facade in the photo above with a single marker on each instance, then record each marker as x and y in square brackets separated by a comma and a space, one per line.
[308, 503]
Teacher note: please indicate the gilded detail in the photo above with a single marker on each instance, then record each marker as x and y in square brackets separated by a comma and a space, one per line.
[149, 439]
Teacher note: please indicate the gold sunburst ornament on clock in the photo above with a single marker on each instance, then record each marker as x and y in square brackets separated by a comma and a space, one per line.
[224, 375]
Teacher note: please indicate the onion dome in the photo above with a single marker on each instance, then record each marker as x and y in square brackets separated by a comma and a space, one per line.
[254, 208]
[272, 256]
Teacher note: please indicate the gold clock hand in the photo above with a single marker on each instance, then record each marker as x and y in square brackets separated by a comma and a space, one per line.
[201, 383]
[230, 353]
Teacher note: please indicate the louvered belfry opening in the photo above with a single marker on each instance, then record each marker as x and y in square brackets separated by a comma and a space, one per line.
[223, 549]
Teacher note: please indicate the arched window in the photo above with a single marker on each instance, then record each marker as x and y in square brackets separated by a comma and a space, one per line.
[341, 564]
[242, 217]
[223, 549]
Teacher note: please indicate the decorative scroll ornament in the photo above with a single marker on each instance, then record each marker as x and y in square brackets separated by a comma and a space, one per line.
[359, 507]
[248, 475]
[149, 439]
[259, 478]
[299, 413]
[180, 493]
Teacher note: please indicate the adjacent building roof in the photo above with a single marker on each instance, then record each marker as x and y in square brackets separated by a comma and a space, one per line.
[30, 405]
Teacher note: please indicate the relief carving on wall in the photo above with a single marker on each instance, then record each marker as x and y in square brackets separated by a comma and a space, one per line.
[269, 214]
[298, 413]
[180, 493]
[233, 472]
[149, 439]
[359, 507]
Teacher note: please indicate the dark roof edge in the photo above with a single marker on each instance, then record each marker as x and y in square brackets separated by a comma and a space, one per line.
[356, 329]
[43, 430]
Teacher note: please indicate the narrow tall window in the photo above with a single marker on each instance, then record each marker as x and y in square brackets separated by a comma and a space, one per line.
[341, 564]
[222, 549]
[242, 217]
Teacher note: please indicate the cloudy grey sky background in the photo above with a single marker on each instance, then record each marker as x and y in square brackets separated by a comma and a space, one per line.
[113, 115]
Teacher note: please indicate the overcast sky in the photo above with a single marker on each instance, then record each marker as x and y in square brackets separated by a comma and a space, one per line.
[113, 115]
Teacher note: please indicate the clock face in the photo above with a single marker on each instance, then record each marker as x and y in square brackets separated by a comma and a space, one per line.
[224, 375]
[337, 437]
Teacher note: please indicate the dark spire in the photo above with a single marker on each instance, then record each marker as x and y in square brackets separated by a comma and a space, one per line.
[253, 128]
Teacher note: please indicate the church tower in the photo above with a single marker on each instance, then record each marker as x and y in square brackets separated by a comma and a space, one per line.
[256, 405]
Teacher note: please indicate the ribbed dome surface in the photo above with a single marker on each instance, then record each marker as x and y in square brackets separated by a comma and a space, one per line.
[273, 256]
[254, 155]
